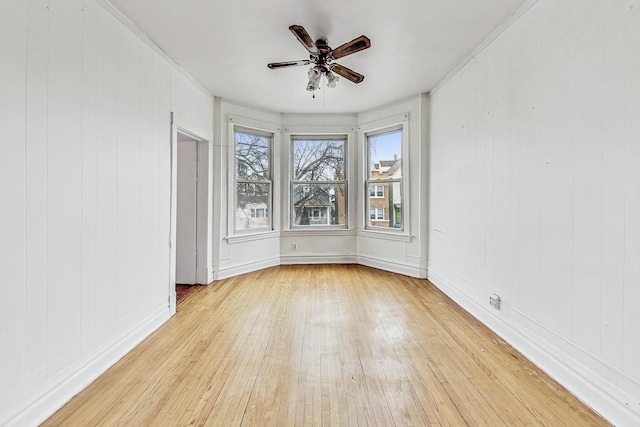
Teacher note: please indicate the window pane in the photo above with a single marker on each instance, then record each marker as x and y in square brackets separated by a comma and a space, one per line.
[319, 204]
[384, 177]
[387, 211]
[252, 156]
[385, 155]
[318, 160]
[253, 205]
[376, 191]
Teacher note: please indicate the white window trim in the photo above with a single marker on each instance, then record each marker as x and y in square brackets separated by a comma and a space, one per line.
[400, 121]
[320, 136]
[260, 127]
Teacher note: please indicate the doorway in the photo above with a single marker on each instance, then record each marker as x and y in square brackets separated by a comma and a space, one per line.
[190, 207]
[187, 211]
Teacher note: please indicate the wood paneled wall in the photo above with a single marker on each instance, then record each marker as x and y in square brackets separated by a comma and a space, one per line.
[84, 189]
[535, 192]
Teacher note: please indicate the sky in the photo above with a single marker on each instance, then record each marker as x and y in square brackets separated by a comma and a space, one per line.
[386, 145]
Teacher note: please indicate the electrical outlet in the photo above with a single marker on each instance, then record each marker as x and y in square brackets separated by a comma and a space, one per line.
[294, 246]
[494, 300]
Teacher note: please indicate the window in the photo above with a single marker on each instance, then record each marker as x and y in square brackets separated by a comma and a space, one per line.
[253, 179]
[376, 191]
[384, 179]
[376, 214]
[259, 213]
[318, 181]
[318, 213]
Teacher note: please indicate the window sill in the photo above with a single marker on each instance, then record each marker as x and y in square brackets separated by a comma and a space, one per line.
[386, 235]
[315, 231]
[252, 237]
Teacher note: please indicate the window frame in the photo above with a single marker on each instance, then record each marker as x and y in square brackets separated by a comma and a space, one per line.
[368, 182]
[234, 129]
[344, 138]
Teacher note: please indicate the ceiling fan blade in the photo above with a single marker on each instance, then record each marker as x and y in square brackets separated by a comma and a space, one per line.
[355, 45]
[275, 65]
[304, 38]
[347, 73]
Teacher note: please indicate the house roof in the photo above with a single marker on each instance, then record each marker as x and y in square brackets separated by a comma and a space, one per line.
[396, 165]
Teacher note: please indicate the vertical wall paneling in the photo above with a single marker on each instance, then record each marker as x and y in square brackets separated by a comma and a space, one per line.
[64, 184]
[526, 91]
[478, 127]
[552, 106]
[106, 175]
[13, 15]
[631, 355]
[499, 112]
[84, 182]
[145, 198]
[36, 125]
[89, 173]
[128, 189]
[587, 175]
[161, 173]
[613, 155]
[556, 176]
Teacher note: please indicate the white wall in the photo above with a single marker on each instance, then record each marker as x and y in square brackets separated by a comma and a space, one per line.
[186, 215]
[535, 194]
[84, 187]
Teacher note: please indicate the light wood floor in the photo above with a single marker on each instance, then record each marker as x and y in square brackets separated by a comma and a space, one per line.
[326, 345]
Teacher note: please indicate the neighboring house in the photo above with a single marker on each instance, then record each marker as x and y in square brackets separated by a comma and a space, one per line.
[253, 215]
[385, 199]
[314, 211]
[320, 205]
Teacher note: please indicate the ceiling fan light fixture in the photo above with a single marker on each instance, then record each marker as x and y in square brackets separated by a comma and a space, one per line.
[332, 79]
[315, 73]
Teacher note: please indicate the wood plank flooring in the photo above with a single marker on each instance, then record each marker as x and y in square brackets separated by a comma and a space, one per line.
[323, 345]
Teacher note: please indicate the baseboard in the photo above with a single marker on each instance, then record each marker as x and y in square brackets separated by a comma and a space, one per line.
[324, 258]
[405, 269]
[248, 267]
[601, 395]
[315, 258]
[54, 395]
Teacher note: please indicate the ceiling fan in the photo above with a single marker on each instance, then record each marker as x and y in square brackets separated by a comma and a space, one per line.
[322, 56]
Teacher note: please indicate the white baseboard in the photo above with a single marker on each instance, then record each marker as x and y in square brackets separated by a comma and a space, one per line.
[381, 264]
[59, 390]
[248, 267]
[605, 398]
[324, 258]
[316, 258]
[393, 266]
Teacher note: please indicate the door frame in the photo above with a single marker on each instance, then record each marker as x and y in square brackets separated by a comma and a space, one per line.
[204, 201]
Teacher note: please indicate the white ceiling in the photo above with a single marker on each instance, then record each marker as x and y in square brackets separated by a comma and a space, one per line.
[226, 45]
